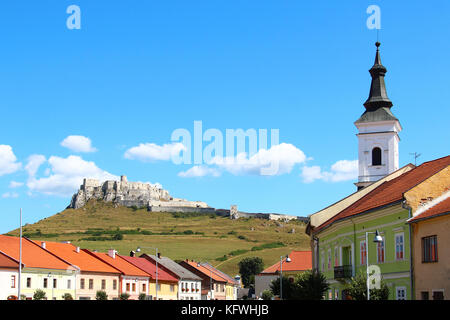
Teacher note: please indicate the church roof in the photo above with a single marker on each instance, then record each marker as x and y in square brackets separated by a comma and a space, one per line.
[377, 104]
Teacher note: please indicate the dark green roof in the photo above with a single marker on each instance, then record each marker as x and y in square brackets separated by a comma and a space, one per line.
[380, 114]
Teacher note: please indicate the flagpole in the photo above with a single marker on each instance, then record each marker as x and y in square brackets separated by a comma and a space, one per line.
[20, 254]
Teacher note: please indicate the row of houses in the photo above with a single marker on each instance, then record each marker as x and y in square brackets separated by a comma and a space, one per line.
[62, 269]
[409, 210]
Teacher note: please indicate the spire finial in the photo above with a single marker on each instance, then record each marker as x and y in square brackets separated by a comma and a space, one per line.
[377, 44]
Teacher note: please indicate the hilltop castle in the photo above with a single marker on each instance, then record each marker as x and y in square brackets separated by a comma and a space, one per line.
[130, 194]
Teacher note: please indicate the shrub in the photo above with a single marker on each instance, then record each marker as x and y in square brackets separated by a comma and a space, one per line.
[124, 296]
[357, 289]
[188, 232]
[142, 296]
[118, 236]
[267, 295]
[39, 295]
[310, 285]
[67, 296]
[242, 237]
[101, 295]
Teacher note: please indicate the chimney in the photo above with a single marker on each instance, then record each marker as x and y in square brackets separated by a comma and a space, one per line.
[132, 254]
[112, 253]
[43, 244]
[77, 249]
[123, 179]
[159, 255]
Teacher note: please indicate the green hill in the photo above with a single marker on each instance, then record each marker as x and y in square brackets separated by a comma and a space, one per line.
[206, 237]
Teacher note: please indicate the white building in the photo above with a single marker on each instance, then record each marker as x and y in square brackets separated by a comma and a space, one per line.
[189, 284]
[9, 275]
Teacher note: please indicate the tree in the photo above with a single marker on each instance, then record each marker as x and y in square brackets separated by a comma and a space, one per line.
[39, 295]
[267, 295]
[67, 296]
[288, 288]
[358, 289]
[310, 285]
[101, 295]
[249, 267]
[124, 296]
[118, 236]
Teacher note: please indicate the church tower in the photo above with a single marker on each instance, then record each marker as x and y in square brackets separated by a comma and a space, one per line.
[378, 131]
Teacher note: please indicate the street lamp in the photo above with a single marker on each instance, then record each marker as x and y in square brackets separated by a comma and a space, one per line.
[20, 255]
[281, 274]
[210, 277]
[138, 249]
[376, 239]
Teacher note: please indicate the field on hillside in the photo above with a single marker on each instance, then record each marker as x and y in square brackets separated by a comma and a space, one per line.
[205, 237]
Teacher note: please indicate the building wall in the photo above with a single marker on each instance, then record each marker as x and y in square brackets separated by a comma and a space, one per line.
[193, 292]
[6, 283]
[37, 277]
[432, 275]
[168, 290]
[89, 294]
[262, 282]
[349, 233]
[433, 187]
[138, 286]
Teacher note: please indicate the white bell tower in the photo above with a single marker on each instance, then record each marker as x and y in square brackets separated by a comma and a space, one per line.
[378, 131]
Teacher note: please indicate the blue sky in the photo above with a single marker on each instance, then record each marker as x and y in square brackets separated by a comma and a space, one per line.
[138, 70]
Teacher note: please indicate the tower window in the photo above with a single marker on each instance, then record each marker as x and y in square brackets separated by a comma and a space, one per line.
[376, 156]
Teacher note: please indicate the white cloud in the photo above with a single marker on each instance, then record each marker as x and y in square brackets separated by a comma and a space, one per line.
[342, 170]
[78, 144]
[66, 175]
[199, 171]
[8, 160]
[33, 164]
[150, 151]
[10, 195]
[277, 160]
[15, 184]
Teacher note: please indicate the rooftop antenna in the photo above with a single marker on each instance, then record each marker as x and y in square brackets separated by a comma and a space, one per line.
[416, 155]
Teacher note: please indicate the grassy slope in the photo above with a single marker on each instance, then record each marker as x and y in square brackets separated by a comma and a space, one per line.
[215, 241]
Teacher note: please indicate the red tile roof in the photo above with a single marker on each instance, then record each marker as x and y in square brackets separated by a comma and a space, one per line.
[438, 209]
[83, 260]
[206, 271]
[33, 256]
[229, 279]
[150, 268]
[391, 191]
[119, 263]
[7, 262]
[300, 261]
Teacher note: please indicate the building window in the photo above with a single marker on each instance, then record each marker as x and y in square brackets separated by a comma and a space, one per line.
[28, 282]
[81, 283]
[159, 287]
[363, 252]
[13, 281]
[127, 287]
[144, 287]
[329, 259]
[55, 283]
[133, 286]
[438, 295]
[69, 284]
[172, 288]
[336, 294]
[330, 295]
[400, 293]
[114, 284]
[429, 249]
[336, 257]
[399, 246]
[376, 156]
[91, 284]
[45, 282]
[380, 251]
[103, 284]
[425, 295]
[323, 261]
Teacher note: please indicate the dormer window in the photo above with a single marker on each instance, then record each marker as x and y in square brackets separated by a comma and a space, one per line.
[376, 156]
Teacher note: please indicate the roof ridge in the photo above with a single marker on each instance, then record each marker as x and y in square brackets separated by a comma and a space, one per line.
[32, 241]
